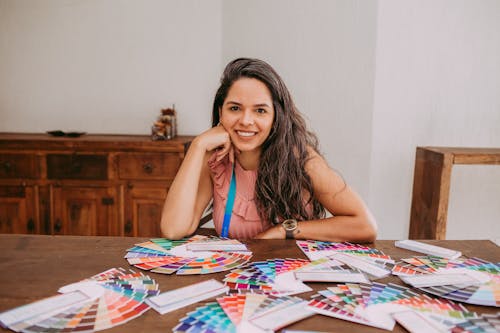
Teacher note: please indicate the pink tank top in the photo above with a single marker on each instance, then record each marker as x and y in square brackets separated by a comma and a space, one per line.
[245, 220]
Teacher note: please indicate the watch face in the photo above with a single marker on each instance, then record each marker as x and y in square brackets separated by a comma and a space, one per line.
[289, 225]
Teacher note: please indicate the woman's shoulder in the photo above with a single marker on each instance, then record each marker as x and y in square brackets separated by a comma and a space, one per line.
[314, 160]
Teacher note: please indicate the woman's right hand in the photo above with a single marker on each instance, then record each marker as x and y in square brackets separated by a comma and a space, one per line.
[218, 139]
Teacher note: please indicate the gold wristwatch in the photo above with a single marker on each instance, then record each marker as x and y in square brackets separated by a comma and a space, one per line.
[290, 226]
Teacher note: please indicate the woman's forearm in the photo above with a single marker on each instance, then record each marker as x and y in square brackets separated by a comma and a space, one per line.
[178, 218]
[355, 229]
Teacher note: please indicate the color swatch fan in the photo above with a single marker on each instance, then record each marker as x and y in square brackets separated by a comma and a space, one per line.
[373, 305]
[486, 323]
[472, 280]
[374, 263]
[274, 276]
[194, 255]
[103, 301]
[319, 249]
[245, 313]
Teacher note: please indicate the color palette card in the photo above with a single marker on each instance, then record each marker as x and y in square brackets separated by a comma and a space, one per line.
[483, 289]
[373, 304]
[103, 301]
[319, 249]
[175, 299]
[487, 323]
[194, 255]
[273, 276]
[245, 313]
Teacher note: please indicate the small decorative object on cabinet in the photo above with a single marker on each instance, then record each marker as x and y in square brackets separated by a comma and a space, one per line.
[109, 185]
[165, 127]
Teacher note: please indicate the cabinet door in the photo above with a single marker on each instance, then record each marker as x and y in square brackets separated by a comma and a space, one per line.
[88, 211]
[143, 207]
[18, 210]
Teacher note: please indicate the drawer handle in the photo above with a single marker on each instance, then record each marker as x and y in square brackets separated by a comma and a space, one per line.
[30, 225]
[128, 227]
[58, 225]
[7, 166]
[148, 168]
[107, 201]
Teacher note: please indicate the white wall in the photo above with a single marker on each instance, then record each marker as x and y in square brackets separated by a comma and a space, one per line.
[325, 54]
[437, 84]
[107, 66]
[374, 78]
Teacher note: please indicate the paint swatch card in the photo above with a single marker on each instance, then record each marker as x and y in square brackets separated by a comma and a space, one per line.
[476, 281]
[319, 249]
[273, 276]
[194, 255]
[373, 305]
[488, 323]
[102, 301]
[178, 298]
[256, 313]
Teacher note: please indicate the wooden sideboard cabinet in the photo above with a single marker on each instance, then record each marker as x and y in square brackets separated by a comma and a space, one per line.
[105, 185]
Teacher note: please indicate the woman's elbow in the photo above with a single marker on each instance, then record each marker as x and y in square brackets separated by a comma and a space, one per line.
[168, 231]
[370, 235]
[370, 230]
[171, 234]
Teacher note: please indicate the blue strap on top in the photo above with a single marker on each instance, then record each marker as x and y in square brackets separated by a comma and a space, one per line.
[229, 206]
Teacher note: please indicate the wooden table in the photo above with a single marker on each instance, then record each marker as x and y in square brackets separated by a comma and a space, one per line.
[431, 186]
[35, 266]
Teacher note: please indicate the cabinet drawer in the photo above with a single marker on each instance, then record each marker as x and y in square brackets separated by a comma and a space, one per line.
[148, 166]
[19, 166]
[72, 166]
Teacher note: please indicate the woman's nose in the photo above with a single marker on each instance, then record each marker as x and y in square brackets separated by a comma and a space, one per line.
[247, 118]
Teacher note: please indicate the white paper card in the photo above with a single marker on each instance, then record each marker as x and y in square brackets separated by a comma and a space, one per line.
[325, 276]
[287, 284]
[361, 264]
[415, 323]
[281, 317]
[428, 249]
[433, 280]
[181, 297]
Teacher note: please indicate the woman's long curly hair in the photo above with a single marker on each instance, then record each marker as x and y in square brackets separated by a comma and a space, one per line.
[283, 188]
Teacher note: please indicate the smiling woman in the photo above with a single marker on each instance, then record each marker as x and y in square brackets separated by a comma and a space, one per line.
[262, 168]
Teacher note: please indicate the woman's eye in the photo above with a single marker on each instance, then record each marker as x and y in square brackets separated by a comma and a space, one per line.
[261, 111]
[234, 108]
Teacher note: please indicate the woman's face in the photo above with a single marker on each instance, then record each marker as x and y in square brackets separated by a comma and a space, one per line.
[248, 114]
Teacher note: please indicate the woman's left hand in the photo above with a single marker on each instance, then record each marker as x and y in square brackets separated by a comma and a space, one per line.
[276, 232]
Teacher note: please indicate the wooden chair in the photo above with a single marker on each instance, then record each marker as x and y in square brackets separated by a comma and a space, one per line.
[431, 186]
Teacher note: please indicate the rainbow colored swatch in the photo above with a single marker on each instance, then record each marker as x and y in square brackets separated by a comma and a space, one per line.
[487, 293]
[274, 276]
[244, 313]
[160, 255]
[372, 304]
[102, 301]
[319, 249]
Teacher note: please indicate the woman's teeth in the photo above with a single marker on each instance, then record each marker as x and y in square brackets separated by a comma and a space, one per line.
[245, 133]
